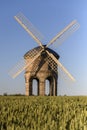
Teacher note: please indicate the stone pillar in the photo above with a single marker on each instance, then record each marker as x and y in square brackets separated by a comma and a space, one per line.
[42, 87]
[30, 87]
[51, 87]
[55, 87]
[26, 85]
[38, 88]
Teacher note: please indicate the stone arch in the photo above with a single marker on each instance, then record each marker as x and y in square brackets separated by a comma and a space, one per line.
[50, 85]
[34, 86]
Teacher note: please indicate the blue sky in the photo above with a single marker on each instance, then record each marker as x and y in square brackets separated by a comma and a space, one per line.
[49, 17]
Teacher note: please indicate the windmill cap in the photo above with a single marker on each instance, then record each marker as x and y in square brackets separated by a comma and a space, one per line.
[31, 53]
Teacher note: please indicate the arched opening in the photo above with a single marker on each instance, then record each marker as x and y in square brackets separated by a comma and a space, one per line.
[47, 87]
[35, 87]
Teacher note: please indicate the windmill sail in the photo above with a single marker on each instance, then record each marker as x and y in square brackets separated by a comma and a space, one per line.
[61, 66]
[65, 33]
[22, 65]
[37, 36]
[31, 30]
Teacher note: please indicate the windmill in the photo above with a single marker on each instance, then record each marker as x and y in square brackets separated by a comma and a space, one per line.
[42, 62]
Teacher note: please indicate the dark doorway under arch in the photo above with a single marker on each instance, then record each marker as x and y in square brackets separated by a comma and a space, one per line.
[49, 86]
[34, 86]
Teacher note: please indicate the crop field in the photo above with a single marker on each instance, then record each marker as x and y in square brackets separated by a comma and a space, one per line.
[43, 113]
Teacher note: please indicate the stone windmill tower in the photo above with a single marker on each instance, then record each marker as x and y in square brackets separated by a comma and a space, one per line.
[42, 63]
[40, 70]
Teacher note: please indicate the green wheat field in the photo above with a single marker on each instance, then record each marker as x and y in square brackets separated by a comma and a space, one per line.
[43, 113]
